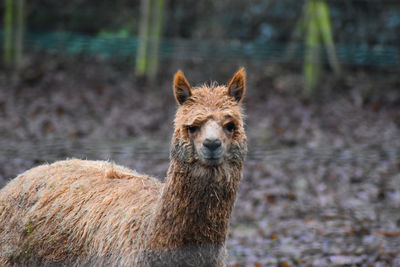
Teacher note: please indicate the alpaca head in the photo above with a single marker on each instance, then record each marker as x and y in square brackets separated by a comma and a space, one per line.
[209, 122]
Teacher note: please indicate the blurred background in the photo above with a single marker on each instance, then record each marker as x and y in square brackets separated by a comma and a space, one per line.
[321, 187]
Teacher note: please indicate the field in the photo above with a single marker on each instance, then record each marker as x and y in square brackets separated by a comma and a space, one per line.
[321, 183]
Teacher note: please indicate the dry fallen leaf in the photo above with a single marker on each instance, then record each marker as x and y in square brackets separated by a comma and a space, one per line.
[388, 234]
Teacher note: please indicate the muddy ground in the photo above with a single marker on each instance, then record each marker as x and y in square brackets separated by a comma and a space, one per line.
[321, 184]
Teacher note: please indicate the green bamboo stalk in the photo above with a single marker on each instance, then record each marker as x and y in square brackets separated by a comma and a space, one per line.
[155, 37]
[318, 34]
[325, 27]
[141, 55]
[19, 32]
[8, 28]
[312, 58]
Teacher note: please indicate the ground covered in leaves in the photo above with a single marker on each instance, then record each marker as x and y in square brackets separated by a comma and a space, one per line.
[321, 185]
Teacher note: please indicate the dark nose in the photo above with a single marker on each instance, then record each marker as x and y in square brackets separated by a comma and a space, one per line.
[212, 145]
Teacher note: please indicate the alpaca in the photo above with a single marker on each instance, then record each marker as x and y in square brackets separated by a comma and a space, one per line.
[95, 213]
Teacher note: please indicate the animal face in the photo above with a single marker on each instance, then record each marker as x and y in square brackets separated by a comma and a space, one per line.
[212, 138]
[209, 124]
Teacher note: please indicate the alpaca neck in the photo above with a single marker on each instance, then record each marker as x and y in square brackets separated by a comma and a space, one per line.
[195, 205]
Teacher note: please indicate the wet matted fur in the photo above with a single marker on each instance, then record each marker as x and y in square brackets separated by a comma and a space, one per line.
[85, 213]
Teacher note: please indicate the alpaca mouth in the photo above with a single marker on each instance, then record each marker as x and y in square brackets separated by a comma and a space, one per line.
[212, 158]
[212, 161]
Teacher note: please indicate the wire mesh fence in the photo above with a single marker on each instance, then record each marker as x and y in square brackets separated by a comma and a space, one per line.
[366, 32]
[73, 44]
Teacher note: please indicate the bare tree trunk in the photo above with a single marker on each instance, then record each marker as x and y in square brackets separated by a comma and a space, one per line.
[19, 32]
[8, 32]
[155, 37]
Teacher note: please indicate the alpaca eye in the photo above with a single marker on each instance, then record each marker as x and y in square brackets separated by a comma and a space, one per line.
[192, 128]
[230, 127]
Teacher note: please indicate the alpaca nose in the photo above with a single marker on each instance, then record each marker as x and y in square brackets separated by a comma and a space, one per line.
[212, 145]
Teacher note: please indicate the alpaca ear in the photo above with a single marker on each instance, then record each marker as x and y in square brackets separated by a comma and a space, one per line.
[182, 90]
[237, 86]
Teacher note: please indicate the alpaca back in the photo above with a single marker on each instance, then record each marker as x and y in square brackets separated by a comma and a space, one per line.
[73, 207]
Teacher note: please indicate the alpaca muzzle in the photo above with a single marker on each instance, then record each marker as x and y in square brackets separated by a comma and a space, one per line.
[212, 151]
